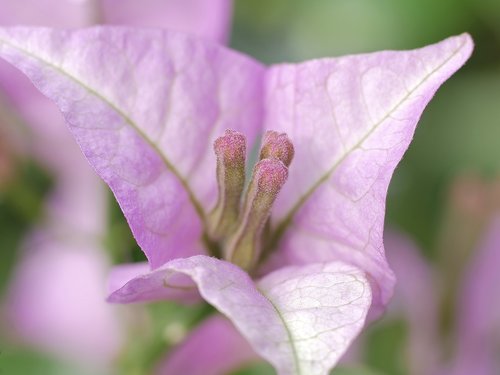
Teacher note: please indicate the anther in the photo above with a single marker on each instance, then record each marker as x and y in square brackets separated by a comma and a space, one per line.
[244, 246]
[277, 145]
[230, 150]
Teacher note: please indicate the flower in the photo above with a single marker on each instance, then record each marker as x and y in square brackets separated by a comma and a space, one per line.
[66, 249]
[147, 105]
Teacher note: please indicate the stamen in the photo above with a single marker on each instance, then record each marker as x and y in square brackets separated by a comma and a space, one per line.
[277, 145]
[244, 246]
[230, 150]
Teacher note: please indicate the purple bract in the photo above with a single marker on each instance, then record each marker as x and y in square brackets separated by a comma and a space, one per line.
[146, 107]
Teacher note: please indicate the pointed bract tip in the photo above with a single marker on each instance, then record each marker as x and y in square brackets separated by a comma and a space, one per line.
[459, 46]
[467, 38]
[466, 43]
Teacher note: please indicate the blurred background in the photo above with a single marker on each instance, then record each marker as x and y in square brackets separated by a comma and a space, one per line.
[442, 200]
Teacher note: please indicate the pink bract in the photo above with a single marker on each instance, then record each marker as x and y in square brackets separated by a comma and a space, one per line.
[145, 107]
[200, 355]
[57, 291]
[479, 319]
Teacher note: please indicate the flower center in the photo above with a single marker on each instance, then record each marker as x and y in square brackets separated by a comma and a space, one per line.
[237, 222]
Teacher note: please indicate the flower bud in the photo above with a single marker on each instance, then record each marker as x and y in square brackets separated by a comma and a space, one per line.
[244, 246]
[278, 146]
[230, 150]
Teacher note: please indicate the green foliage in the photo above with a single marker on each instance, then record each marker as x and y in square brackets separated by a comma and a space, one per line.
[119, 239]
[159, 327]
[386, 343]
[257, 369]
[21, 203]
[16, 360]
[358, 370]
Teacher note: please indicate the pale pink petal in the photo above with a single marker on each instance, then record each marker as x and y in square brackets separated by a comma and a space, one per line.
[208, 19]
[301, 319]
[115, 88]
[123, 273]
[213, 348]
[350, 119]
[56, 300]
[136, 282]
[415, 300]
[479, 310]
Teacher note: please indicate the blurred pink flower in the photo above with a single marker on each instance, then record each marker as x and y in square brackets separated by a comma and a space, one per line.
[478, 349]
[56, 299]
[64, 256]
[415, 299]
[145, 107]
[477, 312]
[213, 348]
[207, 19]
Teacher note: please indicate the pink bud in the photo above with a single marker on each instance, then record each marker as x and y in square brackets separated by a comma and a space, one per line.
[277, 145]
[270, 175]
[231, 147]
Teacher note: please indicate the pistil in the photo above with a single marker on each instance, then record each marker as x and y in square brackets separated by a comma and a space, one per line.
[230, 150]
[244, 246]
[275, 145]
[236, 227]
